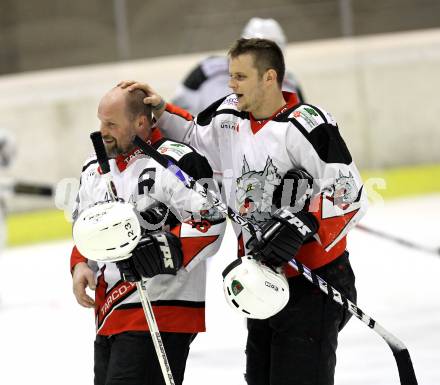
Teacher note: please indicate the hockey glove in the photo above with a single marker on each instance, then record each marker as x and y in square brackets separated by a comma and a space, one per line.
[283, 235]
[158, 252]
[294, 190]
[154, 217]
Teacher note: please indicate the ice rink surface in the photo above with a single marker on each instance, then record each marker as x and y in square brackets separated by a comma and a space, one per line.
[46, 338]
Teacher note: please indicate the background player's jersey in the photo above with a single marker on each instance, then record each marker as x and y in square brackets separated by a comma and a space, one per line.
[253, 156]
[208, 82]
[7, 155]
[178, 301]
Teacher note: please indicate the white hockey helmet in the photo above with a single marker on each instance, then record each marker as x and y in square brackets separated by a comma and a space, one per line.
[254, 290]
[107, 232]
[265, 29]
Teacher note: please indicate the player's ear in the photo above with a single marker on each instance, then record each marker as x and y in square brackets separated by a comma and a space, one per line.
[143, 122]
[270, 76]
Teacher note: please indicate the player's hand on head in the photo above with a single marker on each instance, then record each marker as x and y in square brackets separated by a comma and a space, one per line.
[82, 278]
[158, 252]
[125, 83]
[283, 235]
[152, 98]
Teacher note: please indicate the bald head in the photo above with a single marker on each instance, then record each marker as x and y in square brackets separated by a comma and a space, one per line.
[133, 102]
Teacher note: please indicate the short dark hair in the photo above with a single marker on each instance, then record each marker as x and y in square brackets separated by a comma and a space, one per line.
[267, 55]
[136, 105]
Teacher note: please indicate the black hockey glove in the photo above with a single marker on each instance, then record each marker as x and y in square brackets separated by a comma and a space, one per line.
[153, 217]
[158, 252]
[294, 190]
[283, 235]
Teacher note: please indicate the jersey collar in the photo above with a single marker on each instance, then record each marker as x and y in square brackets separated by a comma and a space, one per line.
[291, 99]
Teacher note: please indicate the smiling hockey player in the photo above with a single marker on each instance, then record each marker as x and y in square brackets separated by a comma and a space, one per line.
[258, 138]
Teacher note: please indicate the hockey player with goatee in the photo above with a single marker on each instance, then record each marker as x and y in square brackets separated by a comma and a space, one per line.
[263, 138]
[169, 253]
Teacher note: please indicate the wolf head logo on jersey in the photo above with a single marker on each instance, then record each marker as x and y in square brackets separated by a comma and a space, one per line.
[255, 191]
[345, 190]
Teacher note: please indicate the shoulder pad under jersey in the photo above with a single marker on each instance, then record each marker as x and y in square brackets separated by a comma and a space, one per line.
[310, 117]
[174, 150]
[188, 159]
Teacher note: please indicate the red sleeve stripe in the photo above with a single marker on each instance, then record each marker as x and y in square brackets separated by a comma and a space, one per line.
[172, 109]
[75, 258]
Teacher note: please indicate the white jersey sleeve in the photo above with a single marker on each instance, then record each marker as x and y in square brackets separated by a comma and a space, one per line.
[201, 133]
[318, 148]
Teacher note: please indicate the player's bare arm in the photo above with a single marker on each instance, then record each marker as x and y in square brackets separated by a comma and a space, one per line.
[83, 277]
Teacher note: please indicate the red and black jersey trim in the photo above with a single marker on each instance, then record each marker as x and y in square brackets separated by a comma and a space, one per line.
[175, 319]
[112, 299]
[258, 124]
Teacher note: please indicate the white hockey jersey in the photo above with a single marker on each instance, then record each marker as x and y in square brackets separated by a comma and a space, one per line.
[253, 156]
[208, 82]
[178, 301]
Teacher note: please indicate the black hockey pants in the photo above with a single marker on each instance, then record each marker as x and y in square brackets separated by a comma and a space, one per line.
[298, 345]
[130, 359]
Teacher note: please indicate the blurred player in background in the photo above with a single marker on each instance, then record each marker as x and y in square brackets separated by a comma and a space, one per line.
[208, 81]
[7, 155]
[11, 187]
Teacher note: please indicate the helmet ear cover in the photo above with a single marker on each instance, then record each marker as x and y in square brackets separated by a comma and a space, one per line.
[253, 289]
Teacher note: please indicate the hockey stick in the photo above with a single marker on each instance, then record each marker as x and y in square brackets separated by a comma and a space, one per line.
[401, 241]
[400, 352]
[25, 188]
[101, 155]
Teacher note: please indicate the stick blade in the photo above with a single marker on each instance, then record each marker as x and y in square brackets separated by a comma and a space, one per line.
[405, 367]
